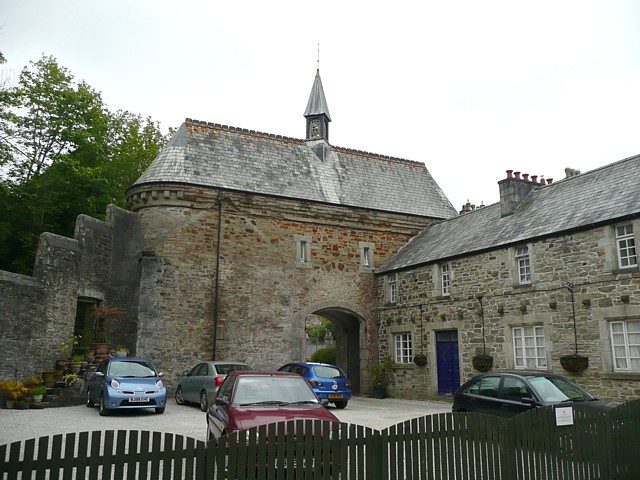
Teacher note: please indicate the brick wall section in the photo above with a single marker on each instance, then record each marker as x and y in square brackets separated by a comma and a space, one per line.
[264, 296]
[586, 259]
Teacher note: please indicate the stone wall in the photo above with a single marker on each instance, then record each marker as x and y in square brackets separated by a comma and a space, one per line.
[586, 259]
[265, 295]
[39, 312]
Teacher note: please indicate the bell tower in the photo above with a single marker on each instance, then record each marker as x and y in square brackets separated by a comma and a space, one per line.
[317, 112]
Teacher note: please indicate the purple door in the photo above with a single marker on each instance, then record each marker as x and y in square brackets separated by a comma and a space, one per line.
[447, 358]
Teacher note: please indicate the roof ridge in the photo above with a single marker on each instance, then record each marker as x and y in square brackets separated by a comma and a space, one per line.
[591, 172]
[377, 155]
[231, 128]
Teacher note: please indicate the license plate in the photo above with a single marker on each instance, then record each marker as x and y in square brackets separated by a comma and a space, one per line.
[335, 395]
[138, 399]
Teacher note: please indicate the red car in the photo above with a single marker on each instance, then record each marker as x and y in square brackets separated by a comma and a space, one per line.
[248, 399]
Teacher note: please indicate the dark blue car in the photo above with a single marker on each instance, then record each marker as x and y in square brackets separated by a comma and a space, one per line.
[126, 383]
[328, 382]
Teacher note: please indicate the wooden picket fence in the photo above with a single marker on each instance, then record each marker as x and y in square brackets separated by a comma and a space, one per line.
[460, 446]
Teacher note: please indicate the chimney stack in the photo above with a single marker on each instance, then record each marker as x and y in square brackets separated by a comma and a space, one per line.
[513, 190]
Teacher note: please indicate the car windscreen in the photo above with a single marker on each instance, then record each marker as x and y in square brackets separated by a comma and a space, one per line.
[255, 390]
[131, 369]
[557, 389]
[324, 371]
[226, 369]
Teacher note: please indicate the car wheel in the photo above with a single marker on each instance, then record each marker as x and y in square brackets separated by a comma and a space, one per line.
[89, 401]
[160, 410]
[204, 403]
[341, 404]
[179, 396]
[102, 408]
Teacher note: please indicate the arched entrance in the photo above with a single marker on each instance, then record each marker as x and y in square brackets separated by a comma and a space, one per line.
[350, 333]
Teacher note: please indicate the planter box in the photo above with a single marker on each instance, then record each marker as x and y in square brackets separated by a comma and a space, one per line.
[379, 392]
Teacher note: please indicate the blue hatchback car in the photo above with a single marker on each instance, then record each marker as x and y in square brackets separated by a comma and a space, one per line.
[328, 382]
[126, 383]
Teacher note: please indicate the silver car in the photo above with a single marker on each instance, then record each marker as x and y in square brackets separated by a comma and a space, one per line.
[202, 382]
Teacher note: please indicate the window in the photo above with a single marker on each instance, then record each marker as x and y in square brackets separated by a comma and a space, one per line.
[485, 387]
[514, 389]
[393, 289]
[366, 256]
[404, 351]
[445, 278]
[626, 246]
[303, 250]
[524, 266]
[528, 347]
[625, 345]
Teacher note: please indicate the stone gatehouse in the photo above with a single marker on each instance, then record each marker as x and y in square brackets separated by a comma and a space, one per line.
[232, 238]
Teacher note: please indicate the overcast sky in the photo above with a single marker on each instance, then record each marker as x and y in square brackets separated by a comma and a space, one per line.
[470, 88]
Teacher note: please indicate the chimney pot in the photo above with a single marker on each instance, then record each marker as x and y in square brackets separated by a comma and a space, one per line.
[516, 174]
[525, 177]
[534, 178]
[549, 181]
[509, 173]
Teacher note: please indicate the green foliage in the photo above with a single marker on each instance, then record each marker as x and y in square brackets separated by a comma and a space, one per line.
[381, 371]
[325, 355]
[317, 333]
[38, 390]
[62, 153]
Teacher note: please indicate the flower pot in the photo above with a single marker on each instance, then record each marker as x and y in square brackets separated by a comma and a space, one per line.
[75, 367]
[62, 364]
[37, 398]
[420, 359]
[379, 392]
[574, 363]
[100, 348]
[121, 353]
[482, 363]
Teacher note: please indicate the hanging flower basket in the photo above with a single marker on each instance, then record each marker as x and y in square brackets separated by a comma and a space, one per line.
[574, 363]
[420, 359]
[482, 363]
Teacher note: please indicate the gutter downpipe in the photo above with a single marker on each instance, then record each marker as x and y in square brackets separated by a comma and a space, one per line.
[217, 286]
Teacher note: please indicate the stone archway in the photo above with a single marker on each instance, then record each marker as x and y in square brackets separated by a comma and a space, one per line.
[350, 336]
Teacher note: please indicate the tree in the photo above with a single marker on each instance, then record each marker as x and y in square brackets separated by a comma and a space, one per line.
[65, 154]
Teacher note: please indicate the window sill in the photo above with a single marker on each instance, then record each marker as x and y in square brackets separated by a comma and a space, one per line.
[443, 297]
[404, 366]
[304, 264]
[621, 376]
[522, 286]
[622, 271]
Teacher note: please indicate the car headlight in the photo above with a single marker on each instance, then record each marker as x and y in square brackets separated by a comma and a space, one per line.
[159, 384]
[115, 383]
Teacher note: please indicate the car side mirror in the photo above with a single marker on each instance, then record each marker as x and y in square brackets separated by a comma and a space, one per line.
[222, 402]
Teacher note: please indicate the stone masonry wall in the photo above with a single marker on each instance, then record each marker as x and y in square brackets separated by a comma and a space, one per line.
[586, 259]
[264, 294]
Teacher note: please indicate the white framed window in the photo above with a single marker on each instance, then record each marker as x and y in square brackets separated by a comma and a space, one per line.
[626, 244]
[403, 347]
[625, 345]
[524, 264]
[529, 350]
[445, 278]
[393, 288]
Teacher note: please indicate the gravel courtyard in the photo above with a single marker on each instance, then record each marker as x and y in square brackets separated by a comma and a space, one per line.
[18, 425]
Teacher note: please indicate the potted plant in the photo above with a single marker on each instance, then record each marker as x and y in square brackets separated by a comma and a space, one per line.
[100, 315]
[15, 392]
[121, 350]
[482, 362]
[76, 363]
[420, 359]
[38, 393]
[574, 363]
[381, 376]
[49, 378]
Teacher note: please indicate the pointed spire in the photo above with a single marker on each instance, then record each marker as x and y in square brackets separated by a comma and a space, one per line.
[317, 104]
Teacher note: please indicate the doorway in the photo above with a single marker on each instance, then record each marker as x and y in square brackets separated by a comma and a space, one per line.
[447, 360]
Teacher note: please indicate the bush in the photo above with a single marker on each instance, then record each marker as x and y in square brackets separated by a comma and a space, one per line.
[324, 355]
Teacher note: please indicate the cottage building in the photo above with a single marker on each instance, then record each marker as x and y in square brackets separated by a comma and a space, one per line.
[550, 271]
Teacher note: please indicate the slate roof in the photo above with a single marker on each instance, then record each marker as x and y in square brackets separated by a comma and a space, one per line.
[596, 197]
[238, 159]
